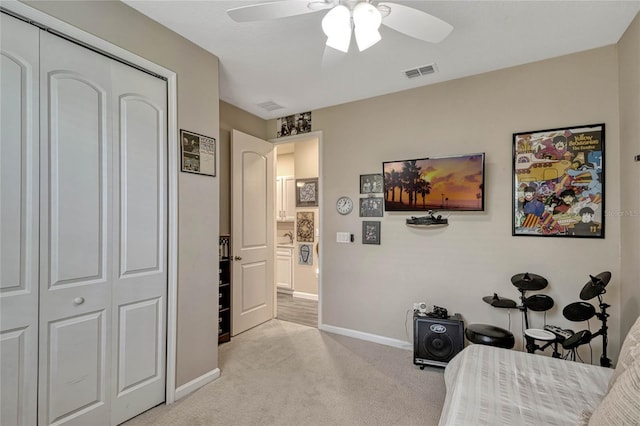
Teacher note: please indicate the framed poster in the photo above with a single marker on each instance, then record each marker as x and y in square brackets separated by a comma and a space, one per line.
[558, 182]
[198, 153]
[371, 232]
[307, 192]
[371, 184]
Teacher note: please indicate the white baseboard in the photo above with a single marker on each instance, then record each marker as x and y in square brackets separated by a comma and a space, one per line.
[285, 291]
[367, 336]
[196, 383]
[308, 296]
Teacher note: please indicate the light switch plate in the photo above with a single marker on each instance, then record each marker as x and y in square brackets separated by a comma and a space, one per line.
[343, 237]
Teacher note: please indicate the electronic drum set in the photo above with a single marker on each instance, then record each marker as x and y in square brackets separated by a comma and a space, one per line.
[540, 339]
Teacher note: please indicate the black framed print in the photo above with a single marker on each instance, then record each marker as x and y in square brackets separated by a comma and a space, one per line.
[371, 184]
[371, 232]
[558, 182]
[198, 153]
[371, 207]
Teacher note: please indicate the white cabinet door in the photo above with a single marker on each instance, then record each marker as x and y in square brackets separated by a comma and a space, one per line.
[284, 268]
[285, 198]
[289, 198]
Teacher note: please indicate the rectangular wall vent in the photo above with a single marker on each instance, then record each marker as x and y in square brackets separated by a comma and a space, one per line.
[270, 106]
[420, 71]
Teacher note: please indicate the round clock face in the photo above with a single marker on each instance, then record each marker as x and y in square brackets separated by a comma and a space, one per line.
[344, 205]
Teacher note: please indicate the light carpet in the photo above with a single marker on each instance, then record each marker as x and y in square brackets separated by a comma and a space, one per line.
[281, 373]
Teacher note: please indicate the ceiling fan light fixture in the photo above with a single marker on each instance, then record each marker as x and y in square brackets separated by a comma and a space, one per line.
[367, 20]
[336, 25]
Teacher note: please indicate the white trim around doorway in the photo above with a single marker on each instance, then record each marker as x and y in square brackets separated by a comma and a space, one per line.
[298, 138]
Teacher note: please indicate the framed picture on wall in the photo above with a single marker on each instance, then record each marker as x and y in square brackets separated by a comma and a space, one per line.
[371, 207]
[558, 182]
[198, 153]
[371, 184]
[307, 192]
[371, 232]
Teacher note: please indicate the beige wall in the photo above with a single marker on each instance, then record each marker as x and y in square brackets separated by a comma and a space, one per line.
[231, 118]
[285, 165]
[197, 81]
[629, 60]
[370, 288]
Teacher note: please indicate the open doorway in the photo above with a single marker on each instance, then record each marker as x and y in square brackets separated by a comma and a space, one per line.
[297, 229]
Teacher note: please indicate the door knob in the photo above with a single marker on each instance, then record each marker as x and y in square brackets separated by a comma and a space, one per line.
[237, 258]
[78, 301]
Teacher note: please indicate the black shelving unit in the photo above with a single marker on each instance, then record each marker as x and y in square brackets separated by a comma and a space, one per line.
[224, 290]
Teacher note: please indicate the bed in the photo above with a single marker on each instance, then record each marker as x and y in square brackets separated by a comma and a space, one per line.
[487, 385]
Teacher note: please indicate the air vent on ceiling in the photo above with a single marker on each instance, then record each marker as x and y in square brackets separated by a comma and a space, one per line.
[270, 106]
[420, 71]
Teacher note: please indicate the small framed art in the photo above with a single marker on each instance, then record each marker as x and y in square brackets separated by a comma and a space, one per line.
[198, 153]
[371, 207]
[307, 192]
[371, 184]
[371, 232]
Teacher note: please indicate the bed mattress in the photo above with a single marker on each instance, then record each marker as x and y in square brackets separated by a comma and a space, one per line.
[494, 386]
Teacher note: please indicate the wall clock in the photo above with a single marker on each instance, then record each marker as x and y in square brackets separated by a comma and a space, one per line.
[344, 205]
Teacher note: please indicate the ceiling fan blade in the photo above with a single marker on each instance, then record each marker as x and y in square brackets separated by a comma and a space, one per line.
[271, 10]
[415, 23]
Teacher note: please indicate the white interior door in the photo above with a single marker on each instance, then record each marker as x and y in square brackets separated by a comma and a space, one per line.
[252, 224]
[103, 239]
[18, 221]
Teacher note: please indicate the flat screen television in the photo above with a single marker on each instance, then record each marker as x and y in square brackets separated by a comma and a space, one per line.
[452, 183]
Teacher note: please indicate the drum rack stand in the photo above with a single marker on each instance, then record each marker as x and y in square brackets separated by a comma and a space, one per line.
[531, 344]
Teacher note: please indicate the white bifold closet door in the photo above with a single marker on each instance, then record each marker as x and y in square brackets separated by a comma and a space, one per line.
[102, 237]
[19, 213]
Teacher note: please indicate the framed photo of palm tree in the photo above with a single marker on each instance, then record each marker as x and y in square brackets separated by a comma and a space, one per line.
[450, 183]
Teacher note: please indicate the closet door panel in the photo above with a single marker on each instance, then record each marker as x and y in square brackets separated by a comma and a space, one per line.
[78, 387]
[19, 100]
[77, 196]
[75, 280]
[140, 275]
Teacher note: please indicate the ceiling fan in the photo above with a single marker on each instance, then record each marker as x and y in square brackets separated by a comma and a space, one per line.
[362, 17]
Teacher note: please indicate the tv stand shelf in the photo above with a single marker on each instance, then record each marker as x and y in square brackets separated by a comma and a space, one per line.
[427, 221]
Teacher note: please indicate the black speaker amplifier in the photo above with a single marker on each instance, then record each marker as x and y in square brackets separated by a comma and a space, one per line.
[436, 340]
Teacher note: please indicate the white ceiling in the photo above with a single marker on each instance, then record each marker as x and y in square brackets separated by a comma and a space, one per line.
[285, 60]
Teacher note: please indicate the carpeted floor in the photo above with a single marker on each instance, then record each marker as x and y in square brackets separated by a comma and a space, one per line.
[282, 373]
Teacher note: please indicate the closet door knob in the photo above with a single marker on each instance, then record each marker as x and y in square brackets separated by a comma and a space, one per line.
[237, 258]
[78, 301]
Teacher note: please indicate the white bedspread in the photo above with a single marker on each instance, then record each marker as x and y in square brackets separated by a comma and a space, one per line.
[493, 386]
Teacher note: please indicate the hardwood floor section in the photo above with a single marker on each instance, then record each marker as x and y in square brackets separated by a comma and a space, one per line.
[295, 309]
